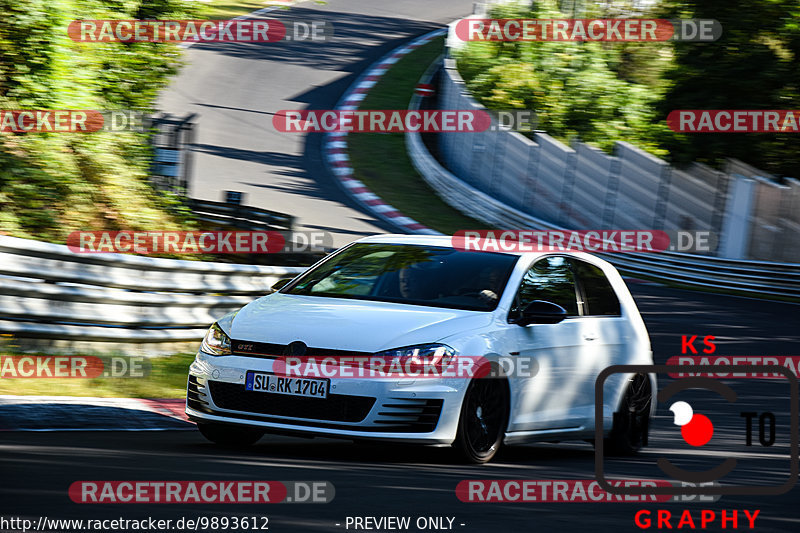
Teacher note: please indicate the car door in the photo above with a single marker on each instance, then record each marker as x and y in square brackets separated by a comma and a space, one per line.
[601, 329]
[548, 400]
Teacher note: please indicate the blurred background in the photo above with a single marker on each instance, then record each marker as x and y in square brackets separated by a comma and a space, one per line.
[601, 157]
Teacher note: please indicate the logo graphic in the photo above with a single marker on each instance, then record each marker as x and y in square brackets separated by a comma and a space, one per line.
[696, 429]
[711, 420]
[296, 348]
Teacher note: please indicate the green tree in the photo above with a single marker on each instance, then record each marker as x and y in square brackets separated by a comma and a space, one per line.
[597, 92]
[55, 183]
[754, 65]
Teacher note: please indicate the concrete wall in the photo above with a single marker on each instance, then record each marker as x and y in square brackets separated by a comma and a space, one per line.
[582, 187]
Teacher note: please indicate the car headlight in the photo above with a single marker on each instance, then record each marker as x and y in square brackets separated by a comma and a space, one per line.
[216, 342]
[424, 355]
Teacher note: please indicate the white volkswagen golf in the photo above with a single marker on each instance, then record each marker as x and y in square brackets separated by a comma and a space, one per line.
[396, 298]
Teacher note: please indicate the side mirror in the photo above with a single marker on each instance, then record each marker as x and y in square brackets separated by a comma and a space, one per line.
[281, 283]
[541, 312]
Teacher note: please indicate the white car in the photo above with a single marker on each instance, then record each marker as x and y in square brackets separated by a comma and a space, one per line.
[402, 298]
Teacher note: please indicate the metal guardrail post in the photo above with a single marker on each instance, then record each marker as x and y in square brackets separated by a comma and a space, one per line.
[172, 165]
[566, 188]
[498, 164]
[610, 201]
[722, 186]
[188, 127]
[735, 234]
[662, 198]
[532, 166]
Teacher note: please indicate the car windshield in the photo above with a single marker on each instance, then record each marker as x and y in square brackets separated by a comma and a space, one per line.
[410, 274]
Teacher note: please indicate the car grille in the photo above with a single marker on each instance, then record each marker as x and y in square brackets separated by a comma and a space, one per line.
[270, 350]
[336, 407]
[411, 415]
[195, 398]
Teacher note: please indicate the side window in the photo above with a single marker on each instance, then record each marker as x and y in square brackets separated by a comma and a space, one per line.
[549, 279]
[599, 296]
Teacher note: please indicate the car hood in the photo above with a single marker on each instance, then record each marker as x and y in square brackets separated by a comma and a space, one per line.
[346, 324]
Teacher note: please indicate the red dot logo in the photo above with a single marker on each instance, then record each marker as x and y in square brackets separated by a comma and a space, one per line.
[696, 429]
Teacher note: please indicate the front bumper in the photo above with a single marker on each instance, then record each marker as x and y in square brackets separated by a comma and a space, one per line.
[423, 411]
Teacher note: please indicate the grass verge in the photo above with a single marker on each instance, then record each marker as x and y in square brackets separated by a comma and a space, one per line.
[381, 161]
[166, 378]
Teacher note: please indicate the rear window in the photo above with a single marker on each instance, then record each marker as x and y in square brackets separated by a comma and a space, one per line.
[599, 296]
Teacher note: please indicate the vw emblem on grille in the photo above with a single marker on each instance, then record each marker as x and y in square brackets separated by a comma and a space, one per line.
[295, 348]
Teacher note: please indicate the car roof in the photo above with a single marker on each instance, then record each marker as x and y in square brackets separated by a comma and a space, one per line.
[444, 241]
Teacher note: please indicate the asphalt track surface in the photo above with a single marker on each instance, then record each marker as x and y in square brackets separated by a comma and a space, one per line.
[236, 88]
[37, 468]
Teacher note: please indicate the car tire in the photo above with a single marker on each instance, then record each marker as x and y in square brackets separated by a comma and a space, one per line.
[483, 420]
[631, 425]
[231, 436]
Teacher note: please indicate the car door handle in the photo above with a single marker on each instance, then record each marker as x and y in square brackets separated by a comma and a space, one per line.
[590, 336]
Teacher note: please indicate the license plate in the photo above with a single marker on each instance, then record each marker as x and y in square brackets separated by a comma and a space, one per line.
[311, 388]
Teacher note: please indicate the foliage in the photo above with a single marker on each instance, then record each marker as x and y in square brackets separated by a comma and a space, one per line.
[597, 92]
[604, 92]
[755, 65]
[55, 183]
[166, 379]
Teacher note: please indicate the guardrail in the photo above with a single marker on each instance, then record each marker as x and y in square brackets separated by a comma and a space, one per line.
[171, 170]
[240, 216]
[747, 277]
[49, 292]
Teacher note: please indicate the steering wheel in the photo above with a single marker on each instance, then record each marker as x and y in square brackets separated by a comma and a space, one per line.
[469, 292]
